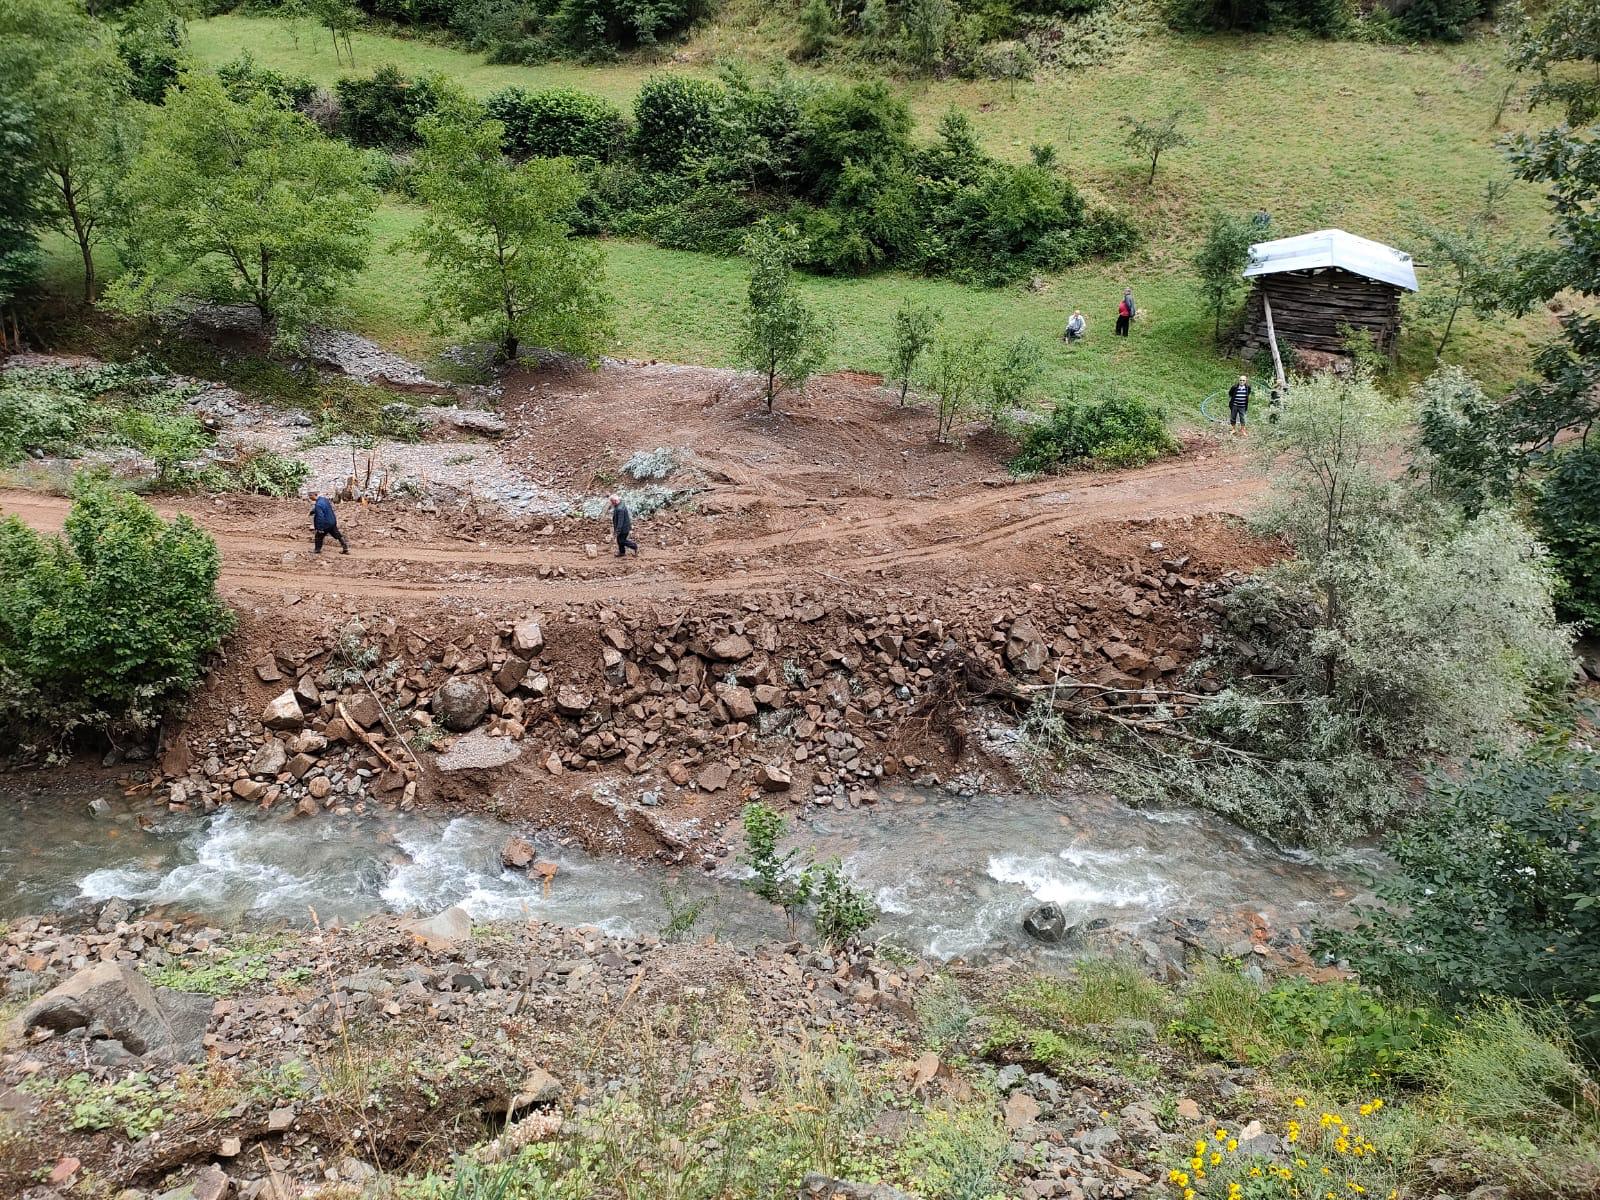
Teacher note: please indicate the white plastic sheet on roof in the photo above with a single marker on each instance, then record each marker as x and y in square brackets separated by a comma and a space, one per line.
[1333, 248]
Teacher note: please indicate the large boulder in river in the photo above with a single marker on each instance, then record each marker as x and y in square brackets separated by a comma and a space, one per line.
[1047, 924]
[461, 702]
[116, 1002]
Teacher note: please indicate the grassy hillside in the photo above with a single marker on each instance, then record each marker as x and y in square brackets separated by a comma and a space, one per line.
[1367, 137]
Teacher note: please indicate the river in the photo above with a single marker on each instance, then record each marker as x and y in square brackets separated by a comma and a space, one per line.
[953, 877]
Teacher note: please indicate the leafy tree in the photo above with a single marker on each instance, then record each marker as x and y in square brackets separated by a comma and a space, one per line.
[152, 39]
[498, 240]
[242, 201]
[107, 626]
[63, 69]
[1220, 262]
[21, 191]
[558, 123]
[1566, 35]
[926, 27]
[1151, 137]
[1564, 50]
[819, 29]
[1568, 513]
[339, 18]
[1495, 891]
[1463, 446]
[783, 338]
[915, 326]
[1444, 20]
[956, 375]
[1460, 259]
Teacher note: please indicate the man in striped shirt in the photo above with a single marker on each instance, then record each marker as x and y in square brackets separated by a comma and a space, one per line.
[1238, 404]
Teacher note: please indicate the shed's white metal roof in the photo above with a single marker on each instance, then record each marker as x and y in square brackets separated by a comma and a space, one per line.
[1333, 248]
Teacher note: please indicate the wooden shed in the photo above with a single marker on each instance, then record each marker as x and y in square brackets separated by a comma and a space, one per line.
[1317, 283]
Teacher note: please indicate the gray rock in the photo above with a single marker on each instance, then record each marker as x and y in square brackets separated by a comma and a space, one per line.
[1097, 1140]
[461, 702]
[1025, 646]
[478, 751]
[117, 1002]
[270, 759]
[527, 637]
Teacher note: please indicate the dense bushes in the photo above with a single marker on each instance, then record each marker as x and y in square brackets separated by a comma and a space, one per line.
[536, 30]
[107, 626]
[1399, 630]
[558, 123]
[701, 161]
[678, 120]
[1496, 890]
[383, 108]
[838, 162]
[1118, 432]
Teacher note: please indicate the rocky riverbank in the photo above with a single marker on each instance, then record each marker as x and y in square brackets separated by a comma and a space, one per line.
[643, 726]
[145, 1058]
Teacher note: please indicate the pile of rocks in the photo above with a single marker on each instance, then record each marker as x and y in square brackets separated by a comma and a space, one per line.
[803, 694]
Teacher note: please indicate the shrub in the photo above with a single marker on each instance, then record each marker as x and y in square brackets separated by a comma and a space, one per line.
[677, 121]
[1568, 513]
[776, 876]
[843, 910]
[383, 109]
[1117, 432]
[1495, 891]
[109, 625]
[558, 123]
[1514, 1069]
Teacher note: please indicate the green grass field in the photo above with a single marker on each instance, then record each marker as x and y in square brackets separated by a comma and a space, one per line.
[1366, 137]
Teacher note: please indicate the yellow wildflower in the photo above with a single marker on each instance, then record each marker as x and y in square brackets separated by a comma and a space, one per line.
[1216, 1159]
[1299, 1101]
[1233, 1144]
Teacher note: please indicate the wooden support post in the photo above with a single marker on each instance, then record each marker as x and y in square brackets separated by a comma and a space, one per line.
[1272, 341]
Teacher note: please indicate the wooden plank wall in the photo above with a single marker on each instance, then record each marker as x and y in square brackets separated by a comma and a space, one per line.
[1308, 307]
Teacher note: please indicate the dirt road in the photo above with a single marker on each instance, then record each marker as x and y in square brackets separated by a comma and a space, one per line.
[983, 528]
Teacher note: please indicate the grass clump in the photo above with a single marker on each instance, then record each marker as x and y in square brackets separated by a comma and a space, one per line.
[134, 1106]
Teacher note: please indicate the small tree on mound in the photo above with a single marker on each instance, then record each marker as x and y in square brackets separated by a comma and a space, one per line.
[107, 626]
[783, 338]
[1152, 137]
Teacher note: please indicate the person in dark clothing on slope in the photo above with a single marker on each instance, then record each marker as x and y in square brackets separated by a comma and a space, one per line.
[1125, 312]
[324, 524]
[1238, 404]
[622, 525]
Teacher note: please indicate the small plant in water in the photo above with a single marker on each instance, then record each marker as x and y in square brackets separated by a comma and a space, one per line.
[776, 880]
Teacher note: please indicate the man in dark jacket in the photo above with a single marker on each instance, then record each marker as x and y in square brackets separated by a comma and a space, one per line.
[325, 524]
[622, 525]
[1238, 404]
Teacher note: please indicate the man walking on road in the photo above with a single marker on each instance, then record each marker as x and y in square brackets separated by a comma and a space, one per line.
[325, 524]
[1125, 312]
[1238, 404]
[622, 525]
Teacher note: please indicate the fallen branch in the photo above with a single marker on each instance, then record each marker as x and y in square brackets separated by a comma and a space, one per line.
[366, 739]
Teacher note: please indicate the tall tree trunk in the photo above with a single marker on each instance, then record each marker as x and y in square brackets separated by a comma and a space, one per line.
[1448, 326]
[772, 376]
[1154, 158]
[81, 227]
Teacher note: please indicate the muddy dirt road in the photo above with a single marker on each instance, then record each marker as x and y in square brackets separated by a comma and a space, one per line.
[1004, 528]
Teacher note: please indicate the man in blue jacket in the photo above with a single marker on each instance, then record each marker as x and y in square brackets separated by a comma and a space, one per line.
[325, 524]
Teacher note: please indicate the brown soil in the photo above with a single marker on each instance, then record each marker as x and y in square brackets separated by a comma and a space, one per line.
[841, 497]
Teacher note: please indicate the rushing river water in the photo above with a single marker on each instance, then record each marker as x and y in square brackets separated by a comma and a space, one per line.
[953, 877]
